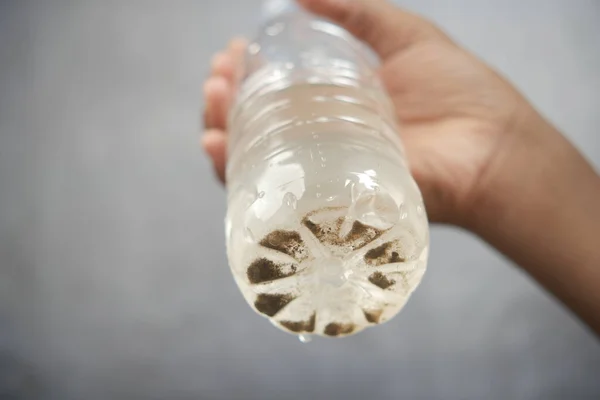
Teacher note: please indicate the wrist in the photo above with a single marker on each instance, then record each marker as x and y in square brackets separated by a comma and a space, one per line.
[525, 164]
[540, 209]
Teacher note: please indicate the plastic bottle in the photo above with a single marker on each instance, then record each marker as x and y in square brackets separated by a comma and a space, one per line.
[326, 229]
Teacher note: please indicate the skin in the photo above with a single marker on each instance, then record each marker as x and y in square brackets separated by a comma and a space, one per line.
[483, 157]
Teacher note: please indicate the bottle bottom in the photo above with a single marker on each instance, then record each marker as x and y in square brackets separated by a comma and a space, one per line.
[332, 271]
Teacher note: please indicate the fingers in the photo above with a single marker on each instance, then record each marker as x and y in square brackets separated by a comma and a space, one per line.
[230, 63]
[217, 95]
[220, 88]
[214, 143]
[219, 91]
[385, 27]
[222, 65]
[237, 50]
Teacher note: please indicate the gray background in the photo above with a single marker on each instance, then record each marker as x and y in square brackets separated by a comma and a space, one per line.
[113, 277]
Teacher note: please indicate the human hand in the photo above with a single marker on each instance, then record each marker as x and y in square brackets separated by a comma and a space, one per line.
[483, 158]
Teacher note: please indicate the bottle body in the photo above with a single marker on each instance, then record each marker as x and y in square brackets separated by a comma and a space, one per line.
[326, 229]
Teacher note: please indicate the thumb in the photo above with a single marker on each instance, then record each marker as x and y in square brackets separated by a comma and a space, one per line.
[385, 27]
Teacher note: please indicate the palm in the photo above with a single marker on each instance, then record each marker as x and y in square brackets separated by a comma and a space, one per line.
[452, 110]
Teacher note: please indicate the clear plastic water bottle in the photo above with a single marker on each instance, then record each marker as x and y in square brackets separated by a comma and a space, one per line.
[326, 229]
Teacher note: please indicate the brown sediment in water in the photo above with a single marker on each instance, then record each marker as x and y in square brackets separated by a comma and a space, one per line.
[286, 242]
[271, 304]
[314, 228]
[301, 326]
[378, 279]
[263, 270]
[337, 329]
[362, 231]
[396, 258]
[378, 252]
[381, 255]
[373, 316]
[330, 232]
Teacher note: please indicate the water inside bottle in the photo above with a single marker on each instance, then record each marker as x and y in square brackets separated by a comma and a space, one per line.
[326, 229]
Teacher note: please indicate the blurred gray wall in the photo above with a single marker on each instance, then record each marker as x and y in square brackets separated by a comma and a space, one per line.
[113, 277]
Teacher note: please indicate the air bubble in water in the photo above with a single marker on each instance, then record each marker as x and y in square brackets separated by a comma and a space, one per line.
[290, 200]
[403, 212]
